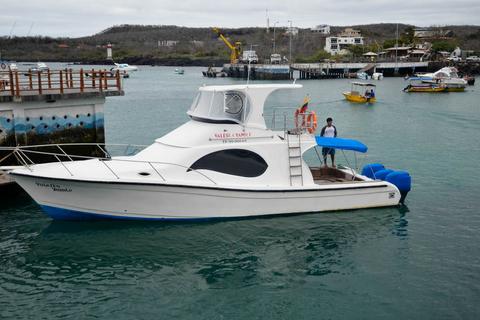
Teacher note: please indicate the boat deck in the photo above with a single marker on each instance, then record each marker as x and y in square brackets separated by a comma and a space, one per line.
[328, 175]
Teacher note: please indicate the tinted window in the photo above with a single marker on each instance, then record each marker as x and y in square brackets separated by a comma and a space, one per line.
[236, 162]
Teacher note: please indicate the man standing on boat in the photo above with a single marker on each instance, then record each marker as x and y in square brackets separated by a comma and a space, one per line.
[329, 131]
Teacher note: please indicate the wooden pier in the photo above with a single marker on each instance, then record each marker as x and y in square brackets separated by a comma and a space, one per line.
[55, 106]
[57, 84]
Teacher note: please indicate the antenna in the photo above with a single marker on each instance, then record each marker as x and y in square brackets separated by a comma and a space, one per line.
[268, 21]
[11, 30]
[31, 26]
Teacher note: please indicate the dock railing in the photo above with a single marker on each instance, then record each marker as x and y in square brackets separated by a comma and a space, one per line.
[25, 83]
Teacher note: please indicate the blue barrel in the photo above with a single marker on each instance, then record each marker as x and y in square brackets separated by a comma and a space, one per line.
[370, 169]
[382, 174]
[402, 180]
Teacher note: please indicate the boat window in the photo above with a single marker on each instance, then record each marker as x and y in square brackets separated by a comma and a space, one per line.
[238, 162]
[233, 102]
[231, 106]
[195, 102]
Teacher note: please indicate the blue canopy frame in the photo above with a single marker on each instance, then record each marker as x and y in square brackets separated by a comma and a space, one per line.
[342, 144]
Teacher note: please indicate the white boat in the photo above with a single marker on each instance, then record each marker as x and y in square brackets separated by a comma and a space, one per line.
[377, 76]
[179, 71]
[446, 77]
[223, 163]
[13, 66]
[40, 66]
[124, 67]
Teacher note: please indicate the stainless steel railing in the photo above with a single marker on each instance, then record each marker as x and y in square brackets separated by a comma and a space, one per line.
[23, 154]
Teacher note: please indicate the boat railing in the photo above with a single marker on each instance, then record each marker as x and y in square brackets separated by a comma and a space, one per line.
[24, 155]
[288, 120]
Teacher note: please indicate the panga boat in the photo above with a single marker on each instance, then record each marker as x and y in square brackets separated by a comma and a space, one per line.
[179, 71]
[424, 87]
[223, 163]
[361, 92]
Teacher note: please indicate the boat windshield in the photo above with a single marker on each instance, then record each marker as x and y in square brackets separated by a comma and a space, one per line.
[220, 106]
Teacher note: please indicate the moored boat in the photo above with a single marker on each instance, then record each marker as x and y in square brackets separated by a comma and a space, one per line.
[446, 77]
[223, 163]
[427, 88]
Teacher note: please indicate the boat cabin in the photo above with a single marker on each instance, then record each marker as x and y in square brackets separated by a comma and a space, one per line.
[236, 104]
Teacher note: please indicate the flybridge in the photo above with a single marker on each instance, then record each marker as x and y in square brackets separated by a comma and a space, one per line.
[240, 104]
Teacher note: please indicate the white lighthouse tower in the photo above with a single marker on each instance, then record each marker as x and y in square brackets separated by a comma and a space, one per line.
[109, 51]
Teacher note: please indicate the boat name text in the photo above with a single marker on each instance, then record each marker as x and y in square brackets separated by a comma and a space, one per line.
[54, 187]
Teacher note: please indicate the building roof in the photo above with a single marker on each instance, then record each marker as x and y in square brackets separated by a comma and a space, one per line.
[398, 48]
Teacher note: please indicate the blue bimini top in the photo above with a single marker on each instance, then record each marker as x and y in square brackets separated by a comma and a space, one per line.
[342, 144]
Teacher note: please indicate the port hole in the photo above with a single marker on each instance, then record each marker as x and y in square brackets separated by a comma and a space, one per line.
[144, 173]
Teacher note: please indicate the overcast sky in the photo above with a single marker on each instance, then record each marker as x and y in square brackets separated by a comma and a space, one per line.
[75, 18]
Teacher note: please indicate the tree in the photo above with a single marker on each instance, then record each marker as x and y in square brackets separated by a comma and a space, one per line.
[444, 45]
[407, 37]
[356, 50]
[389, 43]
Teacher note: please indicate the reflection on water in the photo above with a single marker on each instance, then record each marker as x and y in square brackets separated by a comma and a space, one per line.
[280, 251]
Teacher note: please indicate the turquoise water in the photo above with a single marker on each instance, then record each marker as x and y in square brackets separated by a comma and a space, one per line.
[421, 261]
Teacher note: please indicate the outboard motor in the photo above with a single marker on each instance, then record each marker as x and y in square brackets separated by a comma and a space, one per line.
[370, 170]
[382, 174]
[402, 180]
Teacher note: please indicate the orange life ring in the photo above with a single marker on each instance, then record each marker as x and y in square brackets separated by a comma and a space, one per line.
[3, 65]
[311, 123]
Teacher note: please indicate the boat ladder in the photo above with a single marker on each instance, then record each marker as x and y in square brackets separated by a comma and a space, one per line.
[295, 159]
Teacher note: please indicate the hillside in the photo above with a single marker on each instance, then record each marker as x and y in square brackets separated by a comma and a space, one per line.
[174, 45]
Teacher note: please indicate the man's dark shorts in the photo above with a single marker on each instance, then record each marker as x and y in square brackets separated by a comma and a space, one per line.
[326, 151]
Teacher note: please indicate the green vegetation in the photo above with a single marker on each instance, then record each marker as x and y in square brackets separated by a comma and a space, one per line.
[444, 45]
[149, 44]
[320, 55]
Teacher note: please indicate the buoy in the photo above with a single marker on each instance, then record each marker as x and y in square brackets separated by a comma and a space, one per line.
[381, 174]
[402, 180]
[370, 169]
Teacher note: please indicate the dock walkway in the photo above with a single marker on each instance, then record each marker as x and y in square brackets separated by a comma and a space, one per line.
[17, 86]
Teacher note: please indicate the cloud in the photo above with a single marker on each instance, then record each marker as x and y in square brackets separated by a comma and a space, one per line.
[80, 18]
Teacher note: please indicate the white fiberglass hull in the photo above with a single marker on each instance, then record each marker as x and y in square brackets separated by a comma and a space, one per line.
[74, 199]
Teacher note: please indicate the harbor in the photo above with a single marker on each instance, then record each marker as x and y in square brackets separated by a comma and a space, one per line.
[330, 70]
[401, 240]
[239, 161]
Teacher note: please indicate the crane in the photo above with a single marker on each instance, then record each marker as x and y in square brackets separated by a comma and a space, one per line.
[234, 49]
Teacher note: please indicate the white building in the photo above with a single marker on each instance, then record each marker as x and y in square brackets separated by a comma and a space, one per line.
[338, 44]
[167, 43]
[291, 31]
[322, 28]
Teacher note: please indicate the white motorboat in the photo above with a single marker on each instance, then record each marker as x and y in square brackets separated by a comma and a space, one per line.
[446, 77]
[179, 71]
[377, 76]
[40, 67]
[223, 163]
[124, 67]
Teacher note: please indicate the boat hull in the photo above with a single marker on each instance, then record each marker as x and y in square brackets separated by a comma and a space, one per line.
[358, 98]
[425, 89]
[64, 199]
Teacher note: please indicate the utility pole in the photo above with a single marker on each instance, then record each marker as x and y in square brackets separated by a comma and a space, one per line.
[396, 51]
[290, 45]
[274, 50]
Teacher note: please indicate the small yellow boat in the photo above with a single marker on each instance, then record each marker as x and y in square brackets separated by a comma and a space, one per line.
[361, 93]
